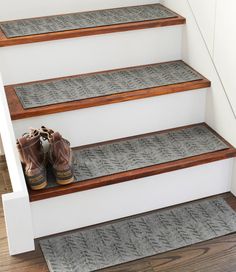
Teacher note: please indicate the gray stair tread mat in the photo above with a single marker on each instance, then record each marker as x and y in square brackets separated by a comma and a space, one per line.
[142, 151]
[104, 84]
[88, 19]
[137, 237]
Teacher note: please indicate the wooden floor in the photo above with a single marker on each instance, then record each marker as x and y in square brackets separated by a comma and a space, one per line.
[218, 255]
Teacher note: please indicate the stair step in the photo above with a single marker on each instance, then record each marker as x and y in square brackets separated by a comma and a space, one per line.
[140, 156]
[95, 89]
[86, 23]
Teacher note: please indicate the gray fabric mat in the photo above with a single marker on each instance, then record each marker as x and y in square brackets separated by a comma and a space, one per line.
[105, 83]
[80, 20]
[135, 238]
[142, 151]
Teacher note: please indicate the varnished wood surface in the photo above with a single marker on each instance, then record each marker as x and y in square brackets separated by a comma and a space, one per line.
[4, 41]
[137, 173]
[217, 255]
[18, 112]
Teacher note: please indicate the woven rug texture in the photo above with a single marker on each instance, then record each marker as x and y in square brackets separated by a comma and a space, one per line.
[134, 238]
[142, 151]
[102, 84]
[89, 19]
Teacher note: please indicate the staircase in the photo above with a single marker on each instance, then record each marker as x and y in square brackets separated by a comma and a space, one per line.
[113, 81]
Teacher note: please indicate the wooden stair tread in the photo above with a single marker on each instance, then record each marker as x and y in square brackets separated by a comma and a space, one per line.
[100, 28]
[18, 111]
[228, 151]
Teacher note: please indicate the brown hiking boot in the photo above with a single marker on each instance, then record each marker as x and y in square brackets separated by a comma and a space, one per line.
[33, 159]
[60, 156]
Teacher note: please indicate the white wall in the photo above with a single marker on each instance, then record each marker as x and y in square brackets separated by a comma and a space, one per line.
[213, 54]
[205, 12]
[216, 22]
[218, 32]
[225, 44]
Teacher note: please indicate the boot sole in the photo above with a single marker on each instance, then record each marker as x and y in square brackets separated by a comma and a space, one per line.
[39, 187]
[37, 182]
[66, 181]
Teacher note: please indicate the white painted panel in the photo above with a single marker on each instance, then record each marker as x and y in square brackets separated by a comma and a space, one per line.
[18, 221]
[204, 12]
[12, 9]
[89, 54]
[123, 119]
[124, 199]
[225, 44]
[9, 142]
[15, 205]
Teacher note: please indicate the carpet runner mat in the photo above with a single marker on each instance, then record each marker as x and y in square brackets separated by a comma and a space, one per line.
[142, 236]
[142, 151]
[103, 84]
[88, 19]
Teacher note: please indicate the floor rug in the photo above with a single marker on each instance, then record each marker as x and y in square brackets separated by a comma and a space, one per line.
[89, 19]
[135, 238]
[142, 151]
[105, 83]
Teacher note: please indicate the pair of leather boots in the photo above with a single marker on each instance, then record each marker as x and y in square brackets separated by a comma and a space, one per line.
[34, 158]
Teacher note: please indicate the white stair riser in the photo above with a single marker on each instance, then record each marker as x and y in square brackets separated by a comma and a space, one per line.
[90, 207]
[11, 9]
[119, 120]
[51, 59]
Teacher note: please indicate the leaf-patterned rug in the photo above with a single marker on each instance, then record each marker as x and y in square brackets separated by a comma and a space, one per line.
[138, 237]
[106, 83]
[88, 19]
[142, 151]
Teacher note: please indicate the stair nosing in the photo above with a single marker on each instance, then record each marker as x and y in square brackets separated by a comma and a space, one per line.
[137, 173]
[4, 41]
[18, 112]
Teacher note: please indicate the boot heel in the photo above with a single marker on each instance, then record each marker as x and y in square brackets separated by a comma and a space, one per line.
[32, 157]
[37, 182]
[59, 155]
[39, 187]
[64, 177]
